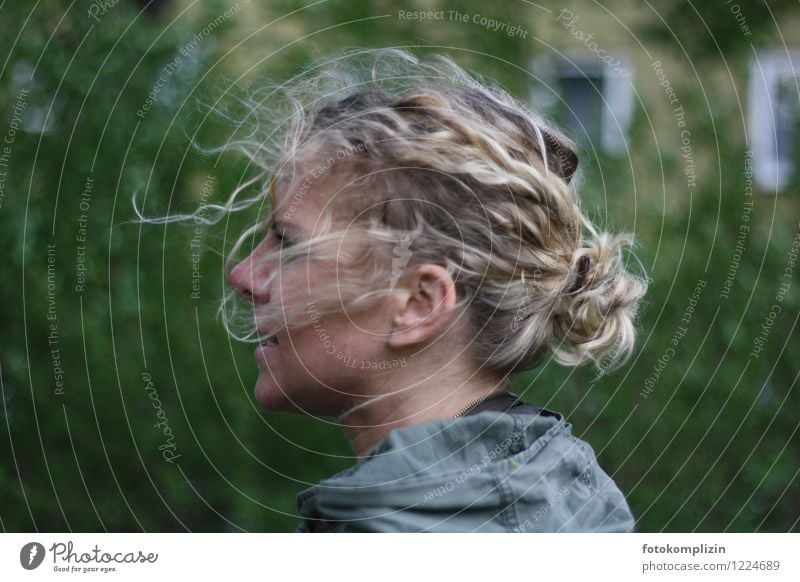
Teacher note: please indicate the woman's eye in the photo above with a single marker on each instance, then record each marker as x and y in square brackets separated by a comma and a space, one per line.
[283, 242]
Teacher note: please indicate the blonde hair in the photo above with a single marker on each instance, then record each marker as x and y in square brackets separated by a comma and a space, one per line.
[458, 173]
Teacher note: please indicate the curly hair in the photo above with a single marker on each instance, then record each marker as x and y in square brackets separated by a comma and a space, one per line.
[458, 173]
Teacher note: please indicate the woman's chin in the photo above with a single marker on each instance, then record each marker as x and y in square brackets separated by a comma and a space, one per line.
[269, 395]
[274, 398]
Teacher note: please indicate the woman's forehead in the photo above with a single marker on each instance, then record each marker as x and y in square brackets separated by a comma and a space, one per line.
[312, 186]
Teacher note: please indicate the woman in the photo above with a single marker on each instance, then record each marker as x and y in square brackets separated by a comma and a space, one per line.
[425, 242]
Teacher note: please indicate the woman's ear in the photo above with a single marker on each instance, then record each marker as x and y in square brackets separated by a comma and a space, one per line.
[426, 301]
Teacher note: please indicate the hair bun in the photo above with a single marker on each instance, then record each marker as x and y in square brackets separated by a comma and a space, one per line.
[595, 320]
[584, 264]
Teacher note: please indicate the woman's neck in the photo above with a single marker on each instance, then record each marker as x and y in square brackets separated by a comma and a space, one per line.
[405, 399]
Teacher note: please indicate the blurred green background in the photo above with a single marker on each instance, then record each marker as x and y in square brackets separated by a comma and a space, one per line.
[702, 438]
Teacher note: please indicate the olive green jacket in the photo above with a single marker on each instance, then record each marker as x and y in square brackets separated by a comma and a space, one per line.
[490, 471]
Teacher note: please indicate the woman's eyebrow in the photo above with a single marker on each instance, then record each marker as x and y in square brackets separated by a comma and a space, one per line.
[280, 226]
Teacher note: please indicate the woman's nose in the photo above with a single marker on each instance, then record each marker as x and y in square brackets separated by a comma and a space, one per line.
[250, 279]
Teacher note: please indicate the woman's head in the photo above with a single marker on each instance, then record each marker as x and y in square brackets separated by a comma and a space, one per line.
[414, 197]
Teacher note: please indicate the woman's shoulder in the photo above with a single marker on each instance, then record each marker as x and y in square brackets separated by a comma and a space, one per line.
[505, 466]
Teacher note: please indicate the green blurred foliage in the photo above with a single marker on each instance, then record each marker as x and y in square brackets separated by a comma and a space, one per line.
[714, 447]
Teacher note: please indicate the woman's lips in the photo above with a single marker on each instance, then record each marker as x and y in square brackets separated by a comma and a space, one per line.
[264, 348]
[269, 343]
